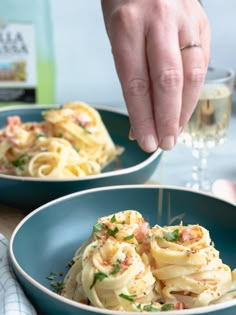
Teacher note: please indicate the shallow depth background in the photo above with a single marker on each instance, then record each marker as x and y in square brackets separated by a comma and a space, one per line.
[85, 68]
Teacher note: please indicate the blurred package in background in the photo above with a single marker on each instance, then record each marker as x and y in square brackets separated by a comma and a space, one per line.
[26, 52]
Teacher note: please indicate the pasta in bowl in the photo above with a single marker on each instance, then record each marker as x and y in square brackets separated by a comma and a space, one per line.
[71, 141]
[128, 266]
[49, 151]
[173, 251]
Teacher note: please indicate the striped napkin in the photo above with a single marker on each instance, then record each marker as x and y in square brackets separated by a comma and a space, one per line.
[12, 298]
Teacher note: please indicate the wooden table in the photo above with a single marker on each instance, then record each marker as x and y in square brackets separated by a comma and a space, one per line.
[9, 218]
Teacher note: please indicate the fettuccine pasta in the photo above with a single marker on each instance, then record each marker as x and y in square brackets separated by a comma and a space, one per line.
[71, 141]
[126, 265]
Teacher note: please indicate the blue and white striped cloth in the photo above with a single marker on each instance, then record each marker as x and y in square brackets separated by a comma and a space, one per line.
[12, 298]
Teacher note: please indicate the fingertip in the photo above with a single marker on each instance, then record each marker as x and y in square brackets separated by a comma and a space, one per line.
[168, 143]
[148, 143]
[131, 134]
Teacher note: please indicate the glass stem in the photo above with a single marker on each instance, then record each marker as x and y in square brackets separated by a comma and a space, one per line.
[199, 171]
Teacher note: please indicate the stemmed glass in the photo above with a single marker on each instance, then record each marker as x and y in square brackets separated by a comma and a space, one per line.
[209, 122]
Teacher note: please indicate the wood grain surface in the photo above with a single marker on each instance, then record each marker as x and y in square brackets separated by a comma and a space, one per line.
[9, 218]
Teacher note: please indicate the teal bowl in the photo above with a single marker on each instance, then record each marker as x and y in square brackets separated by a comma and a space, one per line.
[45, 241]
[134, 166]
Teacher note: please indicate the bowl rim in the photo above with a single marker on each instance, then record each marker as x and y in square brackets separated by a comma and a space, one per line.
[119, 172]
[198, 310]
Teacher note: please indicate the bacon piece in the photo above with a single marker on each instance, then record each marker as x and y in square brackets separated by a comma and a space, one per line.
[179, 306]
[13, 121]
[141, 232]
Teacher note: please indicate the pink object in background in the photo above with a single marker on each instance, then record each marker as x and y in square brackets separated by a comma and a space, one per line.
[225, 189]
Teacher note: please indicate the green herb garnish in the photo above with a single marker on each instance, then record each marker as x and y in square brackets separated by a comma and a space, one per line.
[128, 297]
[129, 237]
[167, 307]
[57, 286]
[52, 276]
[71, 263]
[98, 227]
[98, 276]
[113, 219]
[19, 161]
[150, 308]
[76, 148]
[84, 128]
[116, 269]
[172, 236]
[38, 135]
[113, 232]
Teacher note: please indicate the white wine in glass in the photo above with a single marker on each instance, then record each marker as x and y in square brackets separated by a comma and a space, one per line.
[209, 123]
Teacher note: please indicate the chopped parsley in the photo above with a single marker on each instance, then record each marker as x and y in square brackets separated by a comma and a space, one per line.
[113, 219]
[167, 307]
[52, 276]
[71, 263]
[76, 148]
[98, 276]
[84, 128]
[129, 237]
[19, 161]
[57, 286]
[98, 227]
[150, 308]
[113, 232]
[172, 236]
[38, 135]
[128, 297]
[139, 307]
[116, 269]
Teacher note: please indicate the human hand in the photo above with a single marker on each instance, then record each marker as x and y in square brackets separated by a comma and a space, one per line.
[161, 82]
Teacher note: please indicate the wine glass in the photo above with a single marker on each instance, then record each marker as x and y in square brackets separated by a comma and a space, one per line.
[209, 122]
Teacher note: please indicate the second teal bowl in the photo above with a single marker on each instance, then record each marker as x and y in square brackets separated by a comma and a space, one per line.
[134, 166]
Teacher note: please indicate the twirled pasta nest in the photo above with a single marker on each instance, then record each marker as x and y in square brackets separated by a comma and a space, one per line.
[128, 266]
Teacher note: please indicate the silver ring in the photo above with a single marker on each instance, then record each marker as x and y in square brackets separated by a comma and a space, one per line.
[191, 45]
